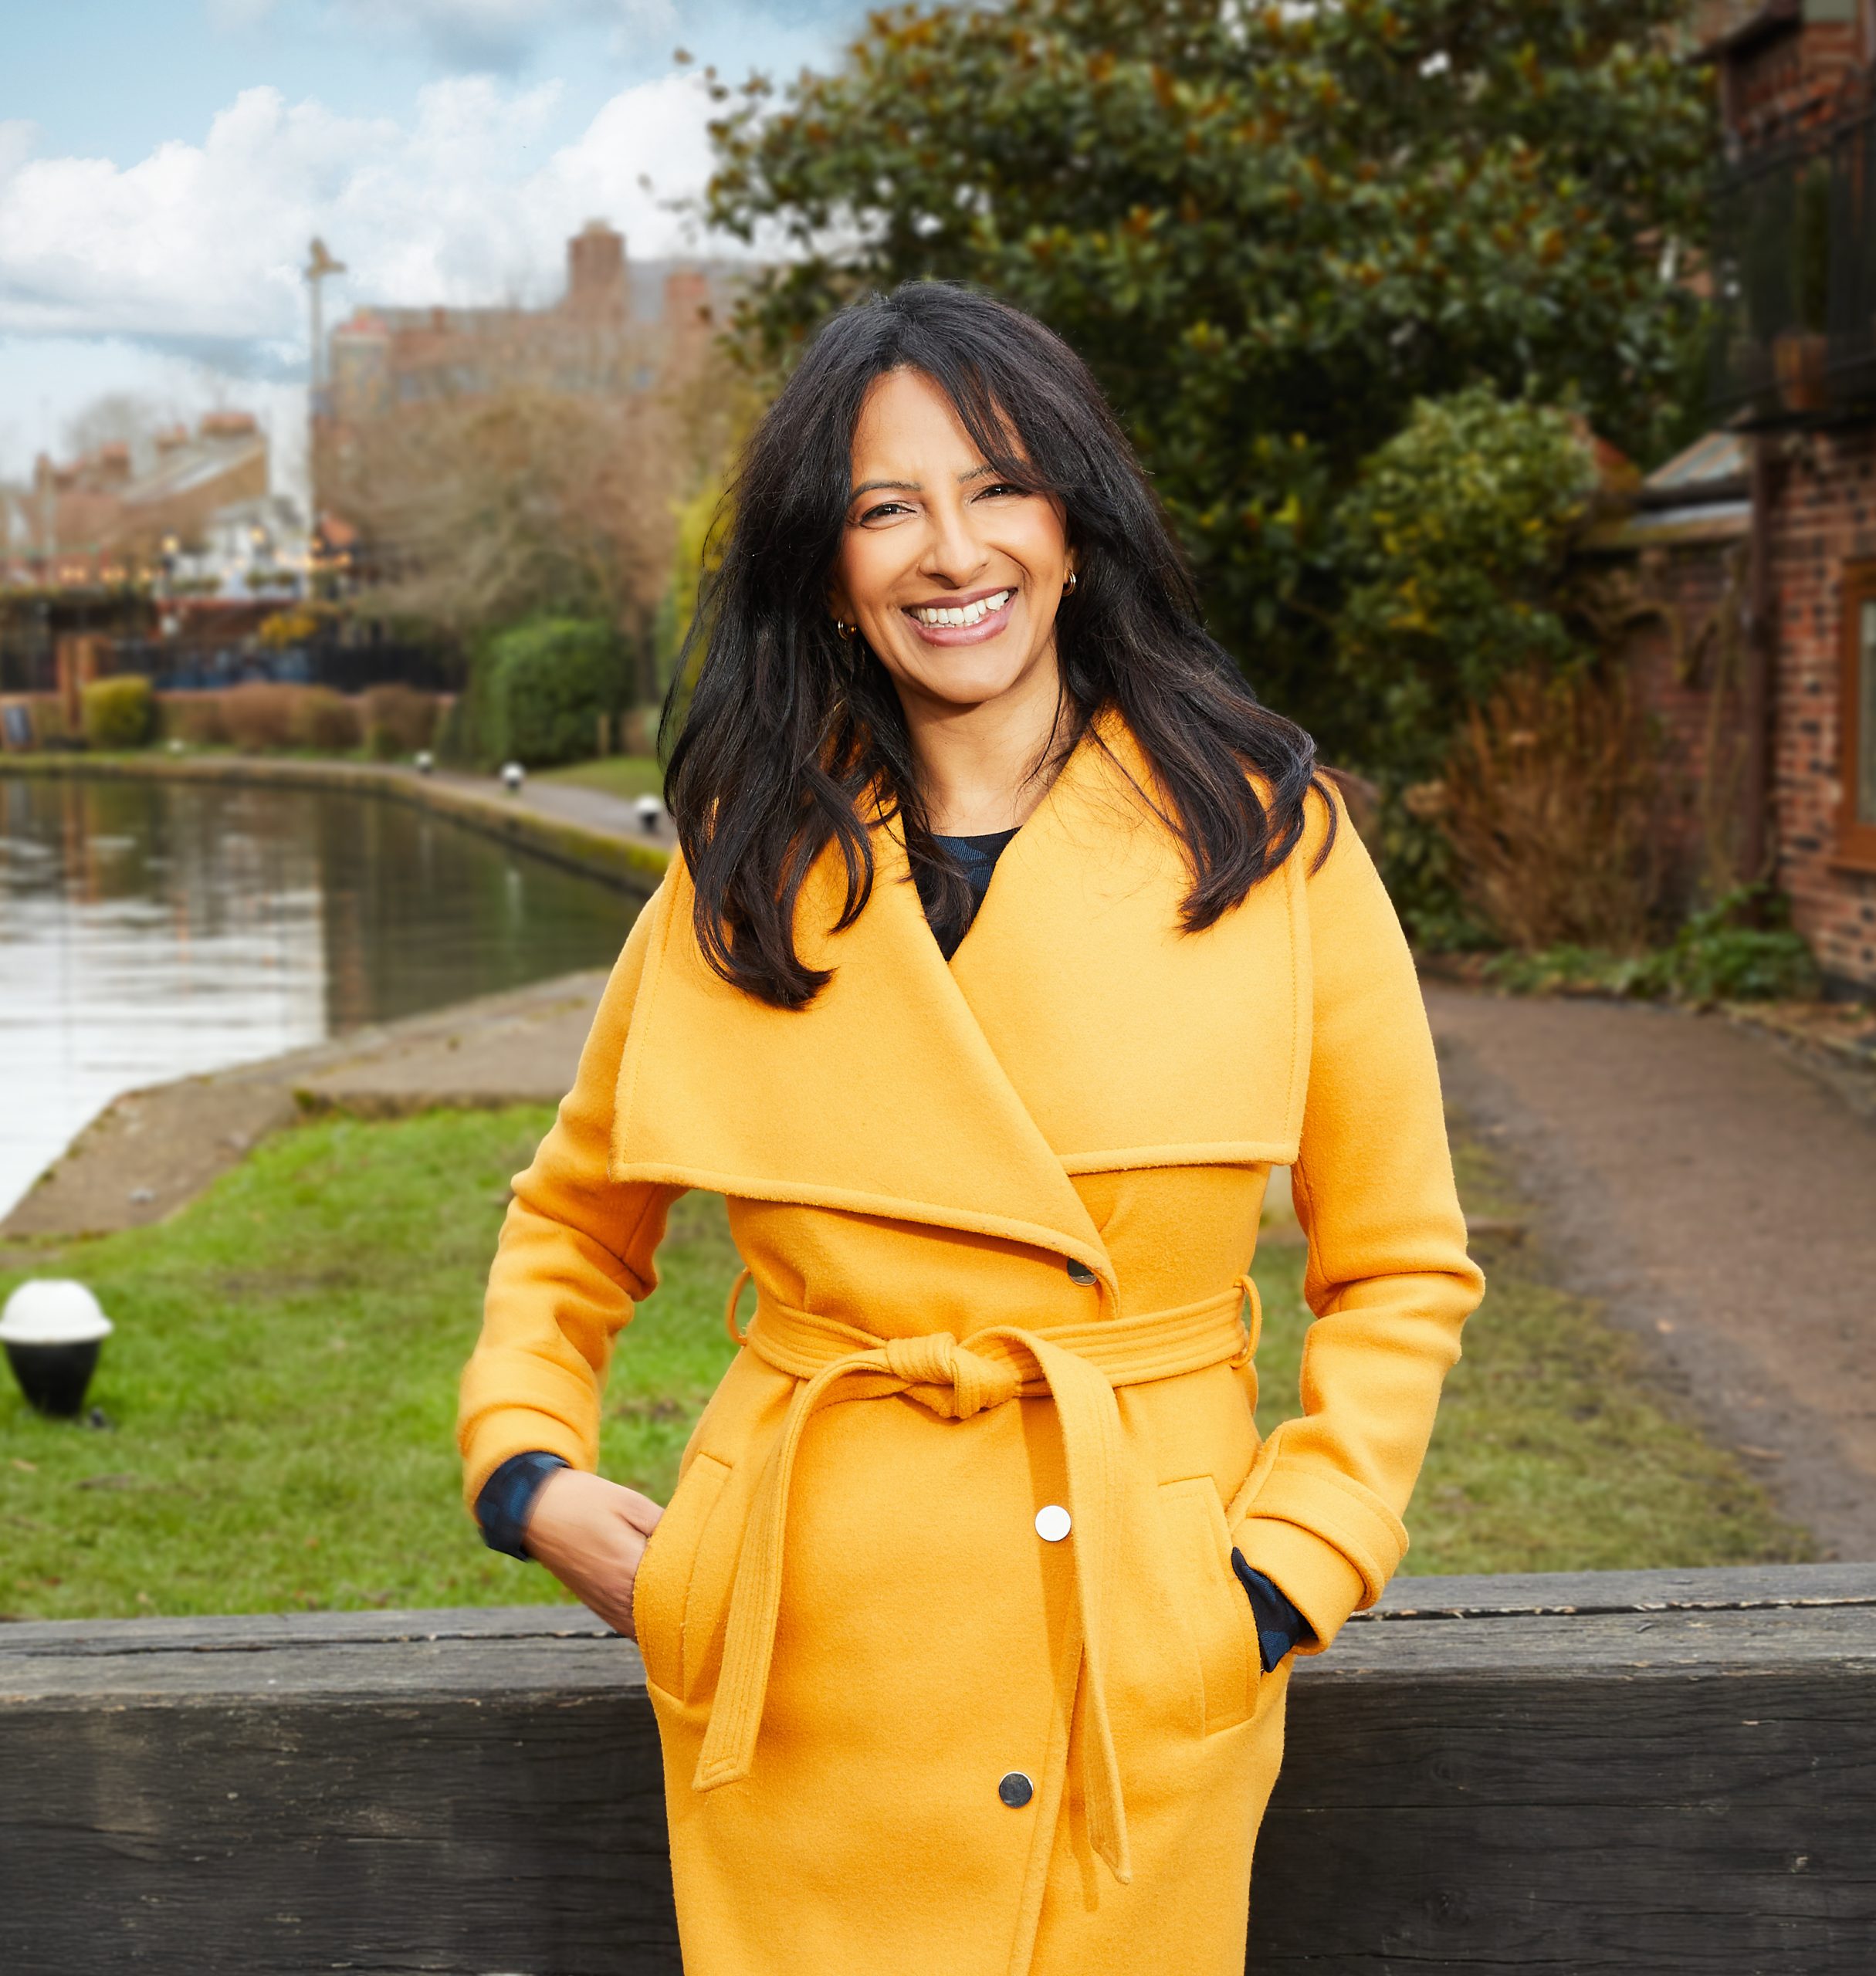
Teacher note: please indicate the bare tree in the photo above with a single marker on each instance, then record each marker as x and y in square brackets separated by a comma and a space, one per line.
[125, 418]
[550, 482]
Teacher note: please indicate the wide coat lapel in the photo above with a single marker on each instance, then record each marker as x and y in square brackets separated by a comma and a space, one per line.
[1076, 1029]
[1129, 1041]
[881, 1097]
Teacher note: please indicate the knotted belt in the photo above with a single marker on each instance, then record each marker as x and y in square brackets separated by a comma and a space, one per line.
[1078, 1366]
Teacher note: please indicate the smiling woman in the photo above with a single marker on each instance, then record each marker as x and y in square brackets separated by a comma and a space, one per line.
[1012, 943]
[934, 449]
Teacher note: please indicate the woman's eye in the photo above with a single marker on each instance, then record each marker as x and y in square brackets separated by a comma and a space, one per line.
[884, 510]
[1004, 487]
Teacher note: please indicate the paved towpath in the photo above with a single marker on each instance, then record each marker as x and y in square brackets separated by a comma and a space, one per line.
[1720, 1199]
[569, 802]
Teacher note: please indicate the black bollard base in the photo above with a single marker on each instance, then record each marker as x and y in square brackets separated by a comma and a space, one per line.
[54, 1378]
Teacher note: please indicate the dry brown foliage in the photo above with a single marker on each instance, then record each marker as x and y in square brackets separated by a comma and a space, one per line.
[398, 720]
[192, 717]
[1551, 801]
[260, 714]
[325, 720]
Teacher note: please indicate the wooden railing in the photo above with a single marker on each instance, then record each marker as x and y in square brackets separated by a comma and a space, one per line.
[1661, 1771]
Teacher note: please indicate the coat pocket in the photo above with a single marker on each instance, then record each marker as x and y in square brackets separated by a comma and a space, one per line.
[1217, 1614]
[661, 1593]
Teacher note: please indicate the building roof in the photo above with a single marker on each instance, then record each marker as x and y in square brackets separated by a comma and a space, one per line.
[1702, 495]
[1775, 18]
[187, 464]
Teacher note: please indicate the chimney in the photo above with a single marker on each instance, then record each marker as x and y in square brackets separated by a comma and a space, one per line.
[113, 462]
[227, 425]
[596, 290]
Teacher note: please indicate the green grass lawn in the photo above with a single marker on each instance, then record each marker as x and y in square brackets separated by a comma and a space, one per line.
[282, 1385]
[281, 1390]
[617, 775]
[1555, 1450]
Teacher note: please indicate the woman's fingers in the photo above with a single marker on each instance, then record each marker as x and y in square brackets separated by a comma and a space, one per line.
[590, 1533]
[640, 1511]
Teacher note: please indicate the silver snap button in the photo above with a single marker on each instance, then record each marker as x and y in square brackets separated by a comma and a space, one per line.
[1079, 1272]
[1015, 1790]
[1051, 1523]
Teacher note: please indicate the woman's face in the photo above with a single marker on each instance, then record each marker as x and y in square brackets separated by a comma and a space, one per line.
[933, 537]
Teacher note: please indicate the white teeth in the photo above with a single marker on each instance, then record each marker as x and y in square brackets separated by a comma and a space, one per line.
[962, 613]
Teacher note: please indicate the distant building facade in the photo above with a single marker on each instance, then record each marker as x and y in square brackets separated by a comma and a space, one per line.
[1751, 615]
[619, 329]
[248, 550]
[99, 521]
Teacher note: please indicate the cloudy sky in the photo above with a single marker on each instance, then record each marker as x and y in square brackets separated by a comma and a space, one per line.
[163, 167]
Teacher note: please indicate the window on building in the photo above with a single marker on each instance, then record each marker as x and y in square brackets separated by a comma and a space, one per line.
[1857, 827]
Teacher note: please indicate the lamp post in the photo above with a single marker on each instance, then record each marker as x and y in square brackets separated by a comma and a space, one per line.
[53, 1330]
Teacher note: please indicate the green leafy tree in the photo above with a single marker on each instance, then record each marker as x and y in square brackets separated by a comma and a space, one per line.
[1269, 229]
[1454, 543]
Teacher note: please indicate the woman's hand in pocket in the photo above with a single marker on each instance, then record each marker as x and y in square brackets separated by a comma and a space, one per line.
[590, 1533]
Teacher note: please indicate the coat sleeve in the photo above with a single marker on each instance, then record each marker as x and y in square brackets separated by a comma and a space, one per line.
[1389, 1278]
[576, 1255]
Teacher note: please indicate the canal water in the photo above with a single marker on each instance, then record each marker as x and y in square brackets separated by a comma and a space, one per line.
[153, 930]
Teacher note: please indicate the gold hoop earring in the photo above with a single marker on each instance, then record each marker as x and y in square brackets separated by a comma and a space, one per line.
[1067, 589]
[845, 631]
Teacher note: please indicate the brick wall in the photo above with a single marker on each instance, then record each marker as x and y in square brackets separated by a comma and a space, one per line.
[1823, 514]
[1683, 652]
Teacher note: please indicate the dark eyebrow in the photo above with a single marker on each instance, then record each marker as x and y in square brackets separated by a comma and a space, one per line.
[915, 486]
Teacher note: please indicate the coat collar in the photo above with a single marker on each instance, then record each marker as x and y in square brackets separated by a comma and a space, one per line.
[1076, 1029]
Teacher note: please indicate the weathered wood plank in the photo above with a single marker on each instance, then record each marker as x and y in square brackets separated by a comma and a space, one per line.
[1671, 1772]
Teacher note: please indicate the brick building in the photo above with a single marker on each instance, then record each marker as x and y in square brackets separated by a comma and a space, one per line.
[1746, 595]
[100, 519]
[620, 328]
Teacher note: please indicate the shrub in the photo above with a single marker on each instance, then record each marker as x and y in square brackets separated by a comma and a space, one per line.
[1550, 805]
[194, 717]
[325, 720]
[1455, 541]
[120, 713]
[398, 720]
[287, 627]
[1741, 948]
[260, 716]
[549, 681]
[50, 728]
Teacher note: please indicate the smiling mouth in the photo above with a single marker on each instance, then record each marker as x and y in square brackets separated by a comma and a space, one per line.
[959, 616]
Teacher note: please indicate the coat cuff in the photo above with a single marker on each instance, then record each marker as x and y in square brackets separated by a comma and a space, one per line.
[1332, 1545]
[1317, 1578]
[513, 1431]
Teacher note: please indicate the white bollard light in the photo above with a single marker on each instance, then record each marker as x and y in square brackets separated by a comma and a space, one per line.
[650, 811]
[513, 775]
[425, 761]
[53, 1329]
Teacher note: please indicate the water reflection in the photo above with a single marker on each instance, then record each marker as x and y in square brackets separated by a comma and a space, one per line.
[153, 930]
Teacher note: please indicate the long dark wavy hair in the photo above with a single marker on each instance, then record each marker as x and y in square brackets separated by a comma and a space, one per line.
[788, 725]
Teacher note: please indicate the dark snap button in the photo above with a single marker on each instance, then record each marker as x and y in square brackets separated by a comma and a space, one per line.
[1016, 1790]
[1079, 1272]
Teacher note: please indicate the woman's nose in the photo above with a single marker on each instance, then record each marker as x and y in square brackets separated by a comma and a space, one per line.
[953, 552]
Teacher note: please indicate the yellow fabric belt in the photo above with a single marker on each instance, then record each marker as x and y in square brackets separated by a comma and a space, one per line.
[1078, 1366]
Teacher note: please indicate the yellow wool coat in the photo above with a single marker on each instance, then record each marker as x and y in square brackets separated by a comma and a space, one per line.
[998, 1213]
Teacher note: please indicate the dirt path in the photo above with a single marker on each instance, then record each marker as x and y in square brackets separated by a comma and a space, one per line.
[1720, 1200]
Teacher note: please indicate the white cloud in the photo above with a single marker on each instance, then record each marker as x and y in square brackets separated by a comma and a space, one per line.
[199, 246]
